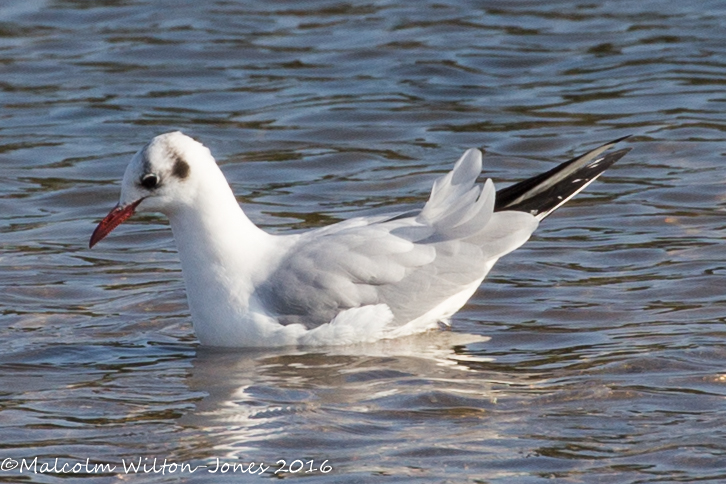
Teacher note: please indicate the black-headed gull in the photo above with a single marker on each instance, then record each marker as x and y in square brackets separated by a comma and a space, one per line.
[360, 280]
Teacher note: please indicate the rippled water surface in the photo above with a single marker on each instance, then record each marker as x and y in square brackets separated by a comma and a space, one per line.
[606, 361]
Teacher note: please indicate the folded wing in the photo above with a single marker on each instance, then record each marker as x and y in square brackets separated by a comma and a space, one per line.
[409, 263]
[415, 263]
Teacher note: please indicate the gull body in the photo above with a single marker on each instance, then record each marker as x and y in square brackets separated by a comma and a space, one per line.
[361, 280]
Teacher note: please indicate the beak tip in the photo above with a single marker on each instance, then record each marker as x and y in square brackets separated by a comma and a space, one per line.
[115, 218]
[95, 237]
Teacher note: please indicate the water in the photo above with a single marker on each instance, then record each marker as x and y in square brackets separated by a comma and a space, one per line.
[606, 357]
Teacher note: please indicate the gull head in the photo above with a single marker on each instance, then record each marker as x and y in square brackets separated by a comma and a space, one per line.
[162, 177]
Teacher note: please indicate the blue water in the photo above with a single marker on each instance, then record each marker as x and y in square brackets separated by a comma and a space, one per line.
[606, 357]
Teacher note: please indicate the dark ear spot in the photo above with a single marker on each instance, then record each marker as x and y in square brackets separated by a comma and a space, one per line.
[181, 168]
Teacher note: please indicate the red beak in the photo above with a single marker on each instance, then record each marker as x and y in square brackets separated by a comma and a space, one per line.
[115, 217]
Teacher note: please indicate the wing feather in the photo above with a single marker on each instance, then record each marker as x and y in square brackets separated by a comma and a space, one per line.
[411, 263]
[414, 263]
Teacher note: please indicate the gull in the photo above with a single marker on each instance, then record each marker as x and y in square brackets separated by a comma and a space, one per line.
[356, 281]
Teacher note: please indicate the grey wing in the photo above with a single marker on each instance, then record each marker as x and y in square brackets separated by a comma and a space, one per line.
[412, 264]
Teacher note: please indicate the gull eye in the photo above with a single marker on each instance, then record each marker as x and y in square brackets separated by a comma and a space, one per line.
[149, 181]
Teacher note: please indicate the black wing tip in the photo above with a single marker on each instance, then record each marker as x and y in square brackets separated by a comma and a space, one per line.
[607, 160]
[616, 141]
[544, 193]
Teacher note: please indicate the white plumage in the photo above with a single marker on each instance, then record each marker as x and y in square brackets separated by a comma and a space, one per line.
[360, 280]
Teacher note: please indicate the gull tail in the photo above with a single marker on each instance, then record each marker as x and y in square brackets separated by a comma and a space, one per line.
[543, 194]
